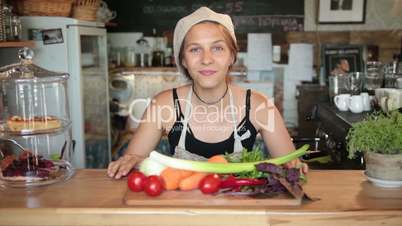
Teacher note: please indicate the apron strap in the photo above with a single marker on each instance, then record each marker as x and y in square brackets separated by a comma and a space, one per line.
[238, 146]
[187, 114]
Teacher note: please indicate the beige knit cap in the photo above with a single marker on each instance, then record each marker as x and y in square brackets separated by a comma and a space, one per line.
[185, 23]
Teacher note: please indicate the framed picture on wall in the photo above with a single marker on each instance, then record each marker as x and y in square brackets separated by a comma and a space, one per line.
[341, 11]
[52, 36]
[342, 59]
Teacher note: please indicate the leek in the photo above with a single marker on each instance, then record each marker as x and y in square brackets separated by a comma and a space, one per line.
[150, 167]
[223, 168]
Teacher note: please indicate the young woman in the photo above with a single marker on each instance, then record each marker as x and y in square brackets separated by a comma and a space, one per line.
[211, 115]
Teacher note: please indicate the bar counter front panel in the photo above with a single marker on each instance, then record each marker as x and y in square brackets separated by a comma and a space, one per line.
[91, 198]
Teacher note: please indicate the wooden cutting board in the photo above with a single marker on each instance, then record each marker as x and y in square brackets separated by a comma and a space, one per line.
[197, 199]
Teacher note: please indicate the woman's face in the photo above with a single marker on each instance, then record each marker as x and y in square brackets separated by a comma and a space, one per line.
[206, 55]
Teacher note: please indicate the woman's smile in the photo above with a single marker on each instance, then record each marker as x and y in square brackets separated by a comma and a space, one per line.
[207, 72]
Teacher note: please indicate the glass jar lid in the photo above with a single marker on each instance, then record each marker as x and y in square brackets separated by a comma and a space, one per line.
[26, 71]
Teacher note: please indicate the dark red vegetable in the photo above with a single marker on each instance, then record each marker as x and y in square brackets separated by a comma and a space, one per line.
[233, 182]
[277, 177]
[210, 184]
[153, 186]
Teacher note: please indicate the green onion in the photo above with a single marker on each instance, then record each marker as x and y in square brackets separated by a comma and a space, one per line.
[208, 167]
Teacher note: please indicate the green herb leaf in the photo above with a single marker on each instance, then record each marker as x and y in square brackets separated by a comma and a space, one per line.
[248, 156]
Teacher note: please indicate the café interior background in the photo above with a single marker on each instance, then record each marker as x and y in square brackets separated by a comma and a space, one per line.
[380, 33]
[382, 27]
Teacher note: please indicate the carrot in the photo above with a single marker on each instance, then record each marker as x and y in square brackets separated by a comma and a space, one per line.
[171, 177]
[218, 159]
[185, 173]
[191, 182]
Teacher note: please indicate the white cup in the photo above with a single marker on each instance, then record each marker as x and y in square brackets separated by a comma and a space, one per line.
[399, 83]
[341, 101]
[382, 92]
[366, 101]
[355, 104]
[391, 100]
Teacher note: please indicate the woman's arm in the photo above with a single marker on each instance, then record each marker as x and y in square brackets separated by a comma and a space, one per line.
[271, 126]
[144, 140]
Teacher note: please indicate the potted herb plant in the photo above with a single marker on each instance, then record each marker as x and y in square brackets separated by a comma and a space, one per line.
[379, 138]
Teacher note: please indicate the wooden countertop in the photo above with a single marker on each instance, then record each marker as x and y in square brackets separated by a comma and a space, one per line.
[91, 198]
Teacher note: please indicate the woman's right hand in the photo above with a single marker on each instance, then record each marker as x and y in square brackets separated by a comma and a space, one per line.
[123, 165]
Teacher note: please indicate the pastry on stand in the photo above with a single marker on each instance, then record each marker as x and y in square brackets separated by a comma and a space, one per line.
[35, 129]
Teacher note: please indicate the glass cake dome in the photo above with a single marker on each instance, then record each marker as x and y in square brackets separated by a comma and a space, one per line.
[35, 128]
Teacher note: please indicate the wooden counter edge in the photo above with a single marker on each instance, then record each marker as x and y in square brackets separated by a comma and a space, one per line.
[147, 216]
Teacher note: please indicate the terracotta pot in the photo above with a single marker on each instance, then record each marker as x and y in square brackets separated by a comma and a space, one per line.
[385, 167]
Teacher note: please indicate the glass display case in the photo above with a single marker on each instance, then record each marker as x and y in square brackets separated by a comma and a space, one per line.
[81, 50]
[95, 106]
[35, 128]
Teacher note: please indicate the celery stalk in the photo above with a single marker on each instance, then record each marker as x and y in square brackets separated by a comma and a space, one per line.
[208, 167]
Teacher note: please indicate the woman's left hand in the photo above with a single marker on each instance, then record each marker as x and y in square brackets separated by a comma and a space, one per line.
[298, 164]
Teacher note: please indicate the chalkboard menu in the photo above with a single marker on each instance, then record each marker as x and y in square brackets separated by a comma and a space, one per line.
[247, 15]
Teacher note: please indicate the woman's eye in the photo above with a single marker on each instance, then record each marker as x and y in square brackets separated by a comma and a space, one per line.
[195, 50]
[218, 48]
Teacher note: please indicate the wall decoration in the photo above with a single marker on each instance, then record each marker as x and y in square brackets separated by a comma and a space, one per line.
[52, 36]
[342, 59]
[249, 16]
[341, 11]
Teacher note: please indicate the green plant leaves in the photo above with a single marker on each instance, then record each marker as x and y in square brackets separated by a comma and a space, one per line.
[380, 133]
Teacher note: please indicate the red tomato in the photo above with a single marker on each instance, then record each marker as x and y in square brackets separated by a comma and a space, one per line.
[136, 181]
[210, 184]
[153, 186]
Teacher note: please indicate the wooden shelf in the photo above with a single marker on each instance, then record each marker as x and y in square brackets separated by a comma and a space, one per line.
[16, 44]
